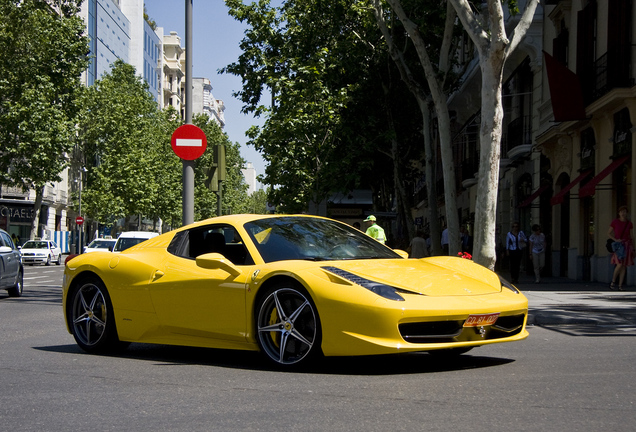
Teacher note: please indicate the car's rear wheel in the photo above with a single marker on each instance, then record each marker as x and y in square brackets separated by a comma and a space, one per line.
[17, 289]
[91, 317]
[288, 326]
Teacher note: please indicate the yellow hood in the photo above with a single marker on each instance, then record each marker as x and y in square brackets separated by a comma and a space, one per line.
[437, 276]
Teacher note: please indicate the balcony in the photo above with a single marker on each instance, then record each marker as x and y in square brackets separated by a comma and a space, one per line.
[518, 140]
[470, 168]
[13, 192]
[610, 71]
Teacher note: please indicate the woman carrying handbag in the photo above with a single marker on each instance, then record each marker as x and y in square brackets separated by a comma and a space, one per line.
[620, 231]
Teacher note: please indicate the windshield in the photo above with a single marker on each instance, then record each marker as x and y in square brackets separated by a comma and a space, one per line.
[125, 243]
[287, 238]
[101, 244]
[35, 245]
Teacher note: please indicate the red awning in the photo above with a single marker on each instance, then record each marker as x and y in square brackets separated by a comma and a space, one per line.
[589, 188]
[565, 91]
[526, 202]
[558, 198]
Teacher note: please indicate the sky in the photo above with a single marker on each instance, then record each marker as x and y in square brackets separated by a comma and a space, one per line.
[215, 44]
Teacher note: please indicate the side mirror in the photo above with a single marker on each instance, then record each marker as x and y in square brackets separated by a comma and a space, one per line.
[404, 254]
[5, 249]
[217, 261]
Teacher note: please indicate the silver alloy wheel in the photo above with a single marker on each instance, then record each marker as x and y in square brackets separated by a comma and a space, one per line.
[287, 326]
[89, 315]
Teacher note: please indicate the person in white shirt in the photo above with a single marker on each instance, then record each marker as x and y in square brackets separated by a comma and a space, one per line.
[445, 249]
[515, 243]
[418, 248]
[537, 251]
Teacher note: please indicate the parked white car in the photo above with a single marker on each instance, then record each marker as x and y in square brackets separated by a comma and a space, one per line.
[41, 252]
[131, 238]
[100, 245]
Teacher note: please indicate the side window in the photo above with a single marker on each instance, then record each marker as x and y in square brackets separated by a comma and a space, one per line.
[5, 240]
[222, 239]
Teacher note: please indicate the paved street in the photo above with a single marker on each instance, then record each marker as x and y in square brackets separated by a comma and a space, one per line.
[576, 372]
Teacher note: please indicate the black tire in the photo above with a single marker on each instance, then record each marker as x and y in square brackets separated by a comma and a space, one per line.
[18, 288]
[59, 260]
[48, 260]
[90, 315]
[292, 337]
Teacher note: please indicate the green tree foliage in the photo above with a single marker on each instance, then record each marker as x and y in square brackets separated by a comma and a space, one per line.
[131, 168]
[234, 188]
[327, 129]
[257, 202]
[126, 144]
[43, 55]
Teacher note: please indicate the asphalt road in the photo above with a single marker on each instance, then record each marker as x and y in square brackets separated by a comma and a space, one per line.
[554, 380]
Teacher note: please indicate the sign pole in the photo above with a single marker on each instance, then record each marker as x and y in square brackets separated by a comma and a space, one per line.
[188, 165]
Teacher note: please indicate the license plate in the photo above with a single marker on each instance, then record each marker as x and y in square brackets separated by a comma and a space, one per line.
[481, 320]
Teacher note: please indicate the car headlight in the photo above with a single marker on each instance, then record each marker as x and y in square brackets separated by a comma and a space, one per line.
[383, 290]
[511, 287]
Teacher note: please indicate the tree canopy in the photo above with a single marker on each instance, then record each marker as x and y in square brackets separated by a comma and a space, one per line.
[131, 168]
[335, 111]
[44, 53]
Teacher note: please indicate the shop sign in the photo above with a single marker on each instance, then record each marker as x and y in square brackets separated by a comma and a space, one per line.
[17, 214]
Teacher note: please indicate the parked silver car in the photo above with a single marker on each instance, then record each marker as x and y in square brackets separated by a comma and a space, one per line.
[11, 270]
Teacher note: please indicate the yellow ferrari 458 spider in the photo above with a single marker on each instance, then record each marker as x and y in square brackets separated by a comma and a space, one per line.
[293, 287]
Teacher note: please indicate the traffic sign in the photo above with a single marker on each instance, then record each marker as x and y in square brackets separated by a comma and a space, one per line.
[79, 220]
[189, 142]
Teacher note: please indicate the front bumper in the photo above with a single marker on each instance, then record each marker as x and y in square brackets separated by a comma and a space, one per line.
[29, 259]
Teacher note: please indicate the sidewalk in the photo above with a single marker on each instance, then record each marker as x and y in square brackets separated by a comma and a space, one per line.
[562, 302]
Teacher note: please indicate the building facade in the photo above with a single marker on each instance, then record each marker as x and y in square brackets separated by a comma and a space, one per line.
[567, 146]
[585, 128]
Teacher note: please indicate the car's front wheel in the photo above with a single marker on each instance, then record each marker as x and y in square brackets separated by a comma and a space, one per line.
[59, 260]
[17, 289]
[91, 317]
[48, 260]
[288, 326]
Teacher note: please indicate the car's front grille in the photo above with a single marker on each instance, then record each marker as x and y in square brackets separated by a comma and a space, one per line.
[454, 331]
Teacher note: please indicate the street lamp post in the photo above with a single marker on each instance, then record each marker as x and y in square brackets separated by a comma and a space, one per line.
[81, 226]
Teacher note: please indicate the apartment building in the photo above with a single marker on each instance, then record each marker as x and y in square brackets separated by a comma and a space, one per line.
[567, 146]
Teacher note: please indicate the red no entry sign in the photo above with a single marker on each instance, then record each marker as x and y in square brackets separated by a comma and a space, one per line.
[79, 220]
[189, 142]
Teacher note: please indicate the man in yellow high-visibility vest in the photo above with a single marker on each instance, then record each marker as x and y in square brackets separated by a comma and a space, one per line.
[375, 230]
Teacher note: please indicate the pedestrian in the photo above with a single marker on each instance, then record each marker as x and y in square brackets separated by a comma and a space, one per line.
[429, 244]
[516, 241]
[15, 239]
[445, 249]
[537, 251]
[375, 230]
[418, 248]
[466, 240]
[620, 231]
